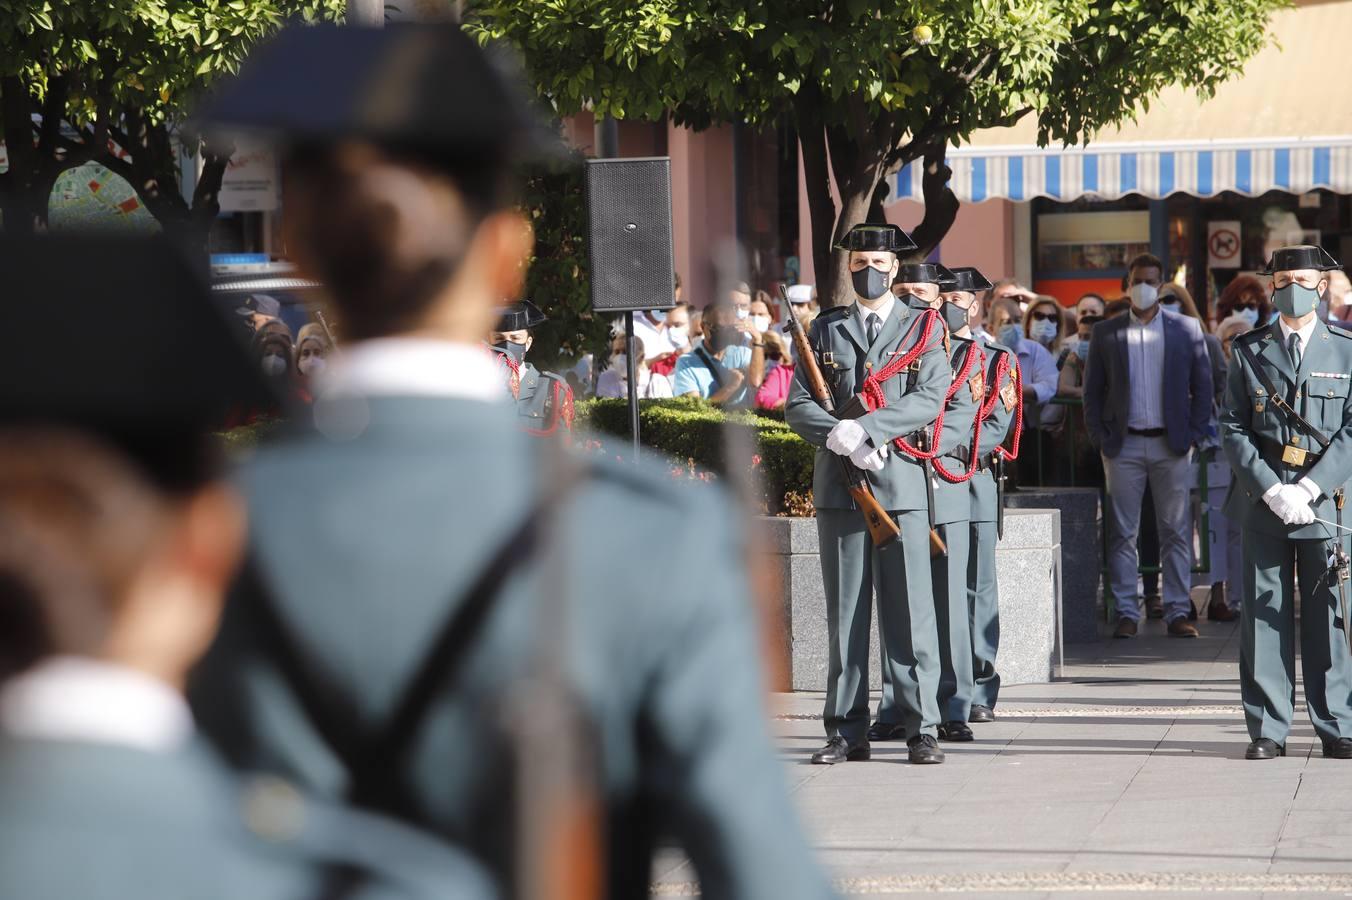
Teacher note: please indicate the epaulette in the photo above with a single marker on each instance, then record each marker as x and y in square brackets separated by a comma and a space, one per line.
[835, 312]
[1339, 330]
[998, 347]
[1255, 335]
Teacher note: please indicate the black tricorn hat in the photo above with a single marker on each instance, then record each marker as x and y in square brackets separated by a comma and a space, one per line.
[876, 237]
[967, 279]
[1302, 256]
[918, 273]
[421, 88]
[155, 384]
[520, 316]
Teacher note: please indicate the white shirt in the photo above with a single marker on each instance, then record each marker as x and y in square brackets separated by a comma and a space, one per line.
[611, 383]
[1145, 372]
[411, 366]
[1305, 334]
[655, 342]
[882, 312]
[68, 698]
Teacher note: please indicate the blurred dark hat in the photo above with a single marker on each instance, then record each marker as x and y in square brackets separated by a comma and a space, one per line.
[920, 273]
[1302, 256]
[520, 316]
[260, 303]
[147, 360]
[876, 237]
[427, 89]
[967, 279]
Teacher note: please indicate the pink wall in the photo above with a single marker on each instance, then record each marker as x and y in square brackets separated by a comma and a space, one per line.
[703, 205]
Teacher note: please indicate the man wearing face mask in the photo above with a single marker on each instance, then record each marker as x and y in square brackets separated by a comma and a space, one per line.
[1147, 403]
[544, 400]
[918, 285]
[852, 343]
[1285, 432]
[721, 370]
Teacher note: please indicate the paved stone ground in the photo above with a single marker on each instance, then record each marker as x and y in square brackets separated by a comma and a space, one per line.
[1126, 776]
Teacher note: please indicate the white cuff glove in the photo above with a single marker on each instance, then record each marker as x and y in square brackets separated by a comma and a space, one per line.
[1291, 504]
[846, 437]
[1309, 486]
[868, 459]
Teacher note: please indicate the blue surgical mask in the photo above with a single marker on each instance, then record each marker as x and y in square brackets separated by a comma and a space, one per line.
[1081, 348]
[1011, 335]
[1249, 315]
[1295, 300]
[658, 315]
[1043, 332]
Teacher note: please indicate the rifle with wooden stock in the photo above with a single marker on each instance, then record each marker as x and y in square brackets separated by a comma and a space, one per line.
[881, 527]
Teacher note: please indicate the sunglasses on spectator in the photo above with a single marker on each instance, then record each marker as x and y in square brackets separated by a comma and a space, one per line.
[1245, 304]
[1046, 316]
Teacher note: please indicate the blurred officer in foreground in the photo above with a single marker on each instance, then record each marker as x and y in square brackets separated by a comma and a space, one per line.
[1285, 432]
[543, 399]
[416, 553]
[877, 343]
[118, 538]
[945, 456]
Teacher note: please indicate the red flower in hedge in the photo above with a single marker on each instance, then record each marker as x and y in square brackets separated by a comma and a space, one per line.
[755, 460]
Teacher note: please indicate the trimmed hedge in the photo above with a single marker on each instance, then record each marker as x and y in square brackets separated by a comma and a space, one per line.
[693, 433]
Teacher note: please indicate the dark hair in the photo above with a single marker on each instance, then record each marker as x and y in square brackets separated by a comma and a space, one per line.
[676, 281]
[1236, 290]
[1116, 307]
[385, 232]
[1145, 261]
[1185, 302]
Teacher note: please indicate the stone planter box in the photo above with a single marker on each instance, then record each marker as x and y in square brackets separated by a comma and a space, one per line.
[1082, 516]
[1028, 564]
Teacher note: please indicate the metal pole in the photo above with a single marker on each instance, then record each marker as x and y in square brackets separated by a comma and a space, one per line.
[629, 346]
[607, 138]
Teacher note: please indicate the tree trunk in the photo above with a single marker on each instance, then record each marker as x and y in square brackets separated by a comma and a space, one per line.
[941, 204]
[18, 203]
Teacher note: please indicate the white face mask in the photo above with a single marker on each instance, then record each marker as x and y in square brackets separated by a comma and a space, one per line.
[760, 323]
[273, 365]
[619, 364]
[311, 365]
[743, 312]
[1249, 315]
[679, 336]
[1043, 332]
[1144, 296]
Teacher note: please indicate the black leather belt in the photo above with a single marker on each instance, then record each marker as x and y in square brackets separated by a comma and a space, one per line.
[1147, 432]
[962, 454]
[1279, 451]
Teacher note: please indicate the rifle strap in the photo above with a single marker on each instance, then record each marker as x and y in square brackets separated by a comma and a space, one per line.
[1277, 399]
[715, 369]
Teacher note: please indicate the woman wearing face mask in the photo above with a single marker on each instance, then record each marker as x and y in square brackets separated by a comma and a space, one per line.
[1045, 323]
[1247, 297]
[312, 350]
[614, 381]
[760, 318]
[778, 374]
[1005, 321]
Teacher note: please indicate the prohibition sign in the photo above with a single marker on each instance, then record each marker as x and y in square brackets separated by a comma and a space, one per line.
[1224, 244]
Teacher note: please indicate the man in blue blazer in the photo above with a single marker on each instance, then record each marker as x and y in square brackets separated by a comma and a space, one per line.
[1147, 402]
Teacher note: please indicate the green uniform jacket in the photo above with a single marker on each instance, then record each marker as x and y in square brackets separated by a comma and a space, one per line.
[952, 502]
[1254, 431]
[100, 822]
[994, 430]
[369, 544]
[913, 401]
[545, 401]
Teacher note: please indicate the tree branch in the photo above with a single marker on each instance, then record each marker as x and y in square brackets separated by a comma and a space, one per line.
[938, 116]
[941, 204]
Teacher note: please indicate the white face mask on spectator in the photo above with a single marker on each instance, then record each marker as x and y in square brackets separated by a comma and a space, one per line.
[760, 323]
[679, 336]
[273, 365]
[311, 365]
[1144, 296]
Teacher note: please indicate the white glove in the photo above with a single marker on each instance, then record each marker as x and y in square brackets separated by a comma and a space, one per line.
[868, 459]
[1290, 503]
[1309, 486]
[846, 437]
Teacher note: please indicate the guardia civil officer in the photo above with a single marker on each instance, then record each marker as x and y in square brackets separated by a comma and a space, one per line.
[1285, 432]
[997, 414]
[425, 595]
[945, 455]
[543, 399]
[873, 336]
[119, 538]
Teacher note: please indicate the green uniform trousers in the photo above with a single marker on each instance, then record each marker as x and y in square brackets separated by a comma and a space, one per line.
[853, 571]
[983, 602]
[948, 576]
[1267, 663]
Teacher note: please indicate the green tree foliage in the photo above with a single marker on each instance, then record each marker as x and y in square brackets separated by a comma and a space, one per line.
[871, 85]
[75, 74]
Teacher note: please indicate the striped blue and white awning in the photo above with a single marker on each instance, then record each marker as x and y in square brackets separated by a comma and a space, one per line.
[1110, 171]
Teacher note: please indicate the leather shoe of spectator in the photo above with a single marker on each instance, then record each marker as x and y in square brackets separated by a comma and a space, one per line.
[1154, 606]
[1182, 628]
[1126, 628]
[1218, 610]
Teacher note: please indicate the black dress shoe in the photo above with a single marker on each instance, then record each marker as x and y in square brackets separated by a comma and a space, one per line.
[1339, 749]
[886, 731]
[957, 732]
[1265, 748]
[838, 750]
[924, 750]
[981, 713]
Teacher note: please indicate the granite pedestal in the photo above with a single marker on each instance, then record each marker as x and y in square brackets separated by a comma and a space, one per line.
[1082, 552]
[1028, 564]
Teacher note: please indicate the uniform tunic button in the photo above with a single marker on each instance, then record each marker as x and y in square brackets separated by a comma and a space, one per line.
[273, 809]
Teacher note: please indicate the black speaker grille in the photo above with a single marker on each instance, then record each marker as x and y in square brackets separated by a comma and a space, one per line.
[629, 233]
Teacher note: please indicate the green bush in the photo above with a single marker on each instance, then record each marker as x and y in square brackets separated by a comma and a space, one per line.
[694, 434]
